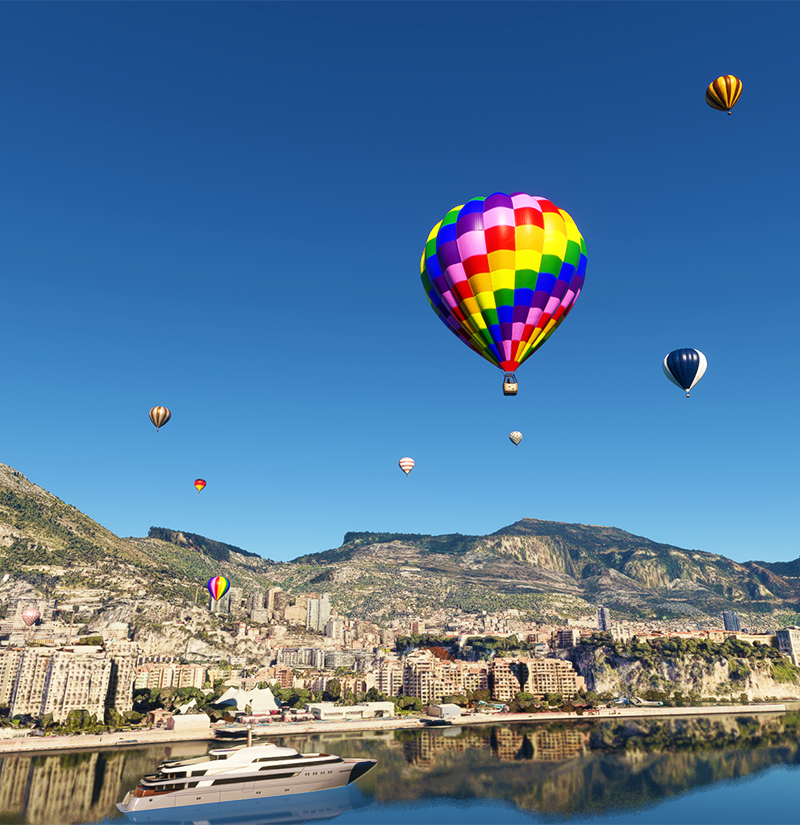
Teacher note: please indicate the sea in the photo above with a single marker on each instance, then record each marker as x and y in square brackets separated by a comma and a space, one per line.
[729, 769]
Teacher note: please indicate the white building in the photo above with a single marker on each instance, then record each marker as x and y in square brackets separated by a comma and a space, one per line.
[789, 643]
[329, 711]
[318, 611]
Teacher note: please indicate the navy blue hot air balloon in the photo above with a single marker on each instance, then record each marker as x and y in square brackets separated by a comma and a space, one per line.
[685, 367]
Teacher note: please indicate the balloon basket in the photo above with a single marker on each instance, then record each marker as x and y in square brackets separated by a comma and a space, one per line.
[510, 385]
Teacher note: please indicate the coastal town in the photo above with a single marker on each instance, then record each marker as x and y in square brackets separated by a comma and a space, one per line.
[290, 659]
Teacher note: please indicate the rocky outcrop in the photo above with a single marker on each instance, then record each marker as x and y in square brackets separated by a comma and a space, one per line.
[607, 671]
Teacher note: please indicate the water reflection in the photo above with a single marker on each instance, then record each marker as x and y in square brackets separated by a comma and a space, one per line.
[563, 769]
[297, 808]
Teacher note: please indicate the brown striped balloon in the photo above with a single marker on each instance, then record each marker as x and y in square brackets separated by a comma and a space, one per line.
[159, 416]
[723, 93]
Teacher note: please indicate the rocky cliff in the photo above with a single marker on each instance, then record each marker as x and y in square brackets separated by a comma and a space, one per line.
[710, 675]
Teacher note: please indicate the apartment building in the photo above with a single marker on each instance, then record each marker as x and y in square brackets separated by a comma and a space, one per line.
[504, 679]
[76, 680]
[568, 637]
[419, 677]
[508, 677]
[318, 611]
[430, 678]
[551, 676]
[26, 696]
[154, 676]
[788, 644]
[9, 665]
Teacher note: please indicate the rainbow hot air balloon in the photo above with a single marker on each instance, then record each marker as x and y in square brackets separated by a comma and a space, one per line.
[218, 587]
[502, 273]
[30, 615]
[406, 464]
[199, 484]
[685, 367]
[723, 93]
[515, 437]
[159, 416]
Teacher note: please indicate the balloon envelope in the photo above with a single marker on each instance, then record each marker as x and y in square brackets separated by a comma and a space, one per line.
[406, 464]
[199, 484]
[516, 437]
[685, 367]
[30, 615]
[218, 587]
[159, 416]
[503, 272]
[723, 93]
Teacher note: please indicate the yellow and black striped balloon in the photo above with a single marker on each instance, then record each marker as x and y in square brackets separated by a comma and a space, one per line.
[723, 93]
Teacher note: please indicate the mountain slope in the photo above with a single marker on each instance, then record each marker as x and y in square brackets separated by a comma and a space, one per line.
[544, 569]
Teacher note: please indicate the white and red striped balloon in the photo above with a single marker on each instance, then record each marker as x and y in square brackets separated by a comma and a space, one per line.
[406, 464]
[30, 616]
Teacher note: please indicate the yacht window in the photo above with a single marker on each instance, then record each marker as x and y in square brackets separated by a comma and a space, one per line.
[243, 779]
[278, 758]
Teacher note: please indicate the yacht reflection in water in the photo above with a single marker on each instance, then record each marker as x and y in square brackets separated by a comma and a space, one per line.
[307, 807]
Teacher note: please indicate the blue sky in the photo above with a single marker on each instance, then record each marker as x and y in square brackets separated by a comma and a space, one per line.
[220, 208]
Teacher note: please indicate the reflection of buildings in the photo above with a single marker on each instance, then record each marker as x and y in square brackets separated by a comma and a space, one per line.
[74, 787]
[540, 744]
[424, 748]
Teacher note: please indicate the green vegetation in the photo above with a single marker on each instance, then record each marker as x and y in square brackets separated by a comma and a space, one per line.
[651, 650]
[784, 671]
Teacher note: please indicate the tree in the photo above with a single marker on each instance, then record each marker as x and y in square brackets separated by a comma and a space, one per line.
[333, 690]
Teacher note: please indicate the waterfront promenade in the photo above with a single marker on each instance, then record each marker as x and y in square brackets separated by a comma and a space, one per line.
[160, 736]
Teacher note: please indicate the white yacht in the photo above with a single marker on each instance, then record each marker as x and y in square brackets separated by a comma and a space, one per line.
[246, 772]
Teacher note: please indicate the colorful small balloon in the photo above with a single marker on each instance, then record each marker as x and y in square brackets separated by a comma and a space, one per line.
[502, 273]
[515, 437]
[218, 587]
[723, 93]
[159, 416]
[199, 484]
[30, 615]
[685, 367]
[406, 464]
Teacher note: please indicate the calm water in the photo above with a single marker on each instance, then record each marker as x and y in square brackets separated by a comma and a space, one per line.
[725, 770]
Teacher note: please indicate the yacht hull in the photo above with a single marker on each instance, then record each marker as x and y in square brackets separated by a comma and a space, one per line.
[294, 808]
[310, 780]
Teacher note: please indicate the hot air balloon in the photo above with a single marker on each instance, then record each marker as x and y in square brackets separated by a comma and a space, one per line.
[685, 367]
[723, 93]
[406, 464]
[515, 437]
[159, 416]
[200, 484]
[218, 587]
[502, 273]
[30, 615]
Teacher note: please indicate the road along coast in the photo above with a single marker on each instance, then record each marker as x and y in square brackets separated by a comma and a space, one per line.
[159, 736]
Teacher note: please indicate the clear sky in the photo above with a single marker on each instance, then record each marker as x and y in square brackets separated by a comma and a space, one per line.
[221, 207]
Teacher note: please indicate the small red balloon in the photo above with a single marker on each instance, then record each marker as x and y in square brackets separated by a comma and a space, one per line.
[200, 484]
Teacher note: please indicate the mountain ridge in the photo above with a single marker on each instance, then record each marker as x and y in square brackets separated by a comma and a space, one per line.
[542, 568]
